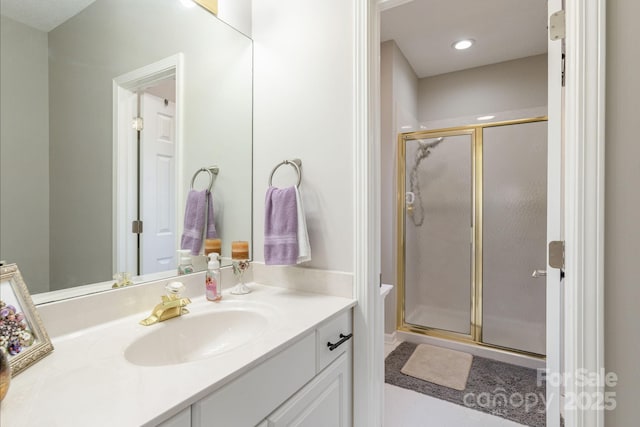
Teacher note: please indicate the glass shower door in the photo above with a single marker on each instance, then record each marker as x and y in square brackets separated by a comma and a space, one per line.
[438, 217]
[514, 236]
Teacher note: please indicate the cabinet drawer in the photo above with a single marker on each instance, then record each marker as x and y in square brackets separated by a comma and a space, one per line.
[329, 332]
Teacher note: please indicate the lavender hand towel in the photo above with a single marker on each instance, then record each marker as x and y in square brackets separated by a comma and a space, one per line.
[194, 219]
[280, 226]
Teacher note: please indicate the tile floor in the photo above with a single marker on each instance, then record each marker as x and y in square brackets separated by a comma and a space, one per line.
[406, 408]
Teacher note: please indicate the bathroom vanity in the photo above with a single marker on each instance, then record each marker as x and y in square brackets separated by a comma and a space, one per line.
[260, 359]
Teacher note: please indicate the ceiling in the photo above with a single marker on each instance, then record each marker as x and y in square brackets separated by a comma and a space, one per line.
[503, 30]
[43, 15]
[423, 29]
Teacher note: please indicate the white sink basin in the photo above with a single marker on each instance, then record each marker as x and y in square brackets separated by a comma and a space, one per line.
[196, 336]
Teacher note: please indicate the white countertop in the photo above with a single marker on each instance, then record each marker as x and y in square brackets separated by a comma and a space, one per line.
[88, 381]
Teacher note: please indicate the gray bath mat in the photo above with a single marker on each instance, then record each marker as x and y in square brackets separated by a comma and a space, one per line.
[439, 365]
[497, 388]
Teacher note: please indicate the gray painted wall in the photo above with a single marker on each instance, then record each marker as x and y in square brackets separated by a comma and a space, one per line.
[24, 152]
[399, 107]
[622, 210]
[304, 108]
[506, 86]
[236, 13]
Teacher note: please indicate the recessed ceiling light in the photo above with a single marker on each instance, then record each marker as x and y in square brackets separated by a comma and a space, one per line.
[188, 3]
[485, 117]
[463, 44]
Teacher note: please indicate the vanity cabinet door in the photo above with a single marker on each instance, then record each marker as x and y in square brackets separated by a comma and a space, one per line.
[181, 419]
[325, 401]
[249, 398]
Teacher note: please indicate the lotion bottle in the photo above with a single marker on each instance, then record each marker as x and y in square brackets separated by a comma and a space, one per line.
[213, 290]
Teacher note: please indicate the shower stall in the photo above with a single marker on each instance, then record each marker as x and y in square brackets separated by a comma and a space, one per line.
[472, 234]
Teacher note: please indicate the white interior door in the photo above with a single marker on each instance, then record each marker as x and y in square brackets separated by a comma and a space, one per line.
[554, 220]
[157, 184]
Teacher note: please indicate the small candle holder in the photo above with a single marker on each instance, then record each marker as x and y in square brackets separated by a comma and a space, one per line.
[239, 267]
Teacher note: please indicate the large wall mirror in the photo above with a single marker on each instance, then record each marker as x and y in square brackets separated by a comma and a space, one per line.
[106, 118]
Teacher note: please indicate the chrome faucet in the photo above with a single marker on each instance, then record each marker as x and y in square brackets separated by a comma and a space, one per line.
[172, 305]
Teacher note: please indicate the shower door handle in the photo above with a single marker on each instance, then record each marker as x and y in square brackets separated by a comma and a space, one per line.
[539, 273]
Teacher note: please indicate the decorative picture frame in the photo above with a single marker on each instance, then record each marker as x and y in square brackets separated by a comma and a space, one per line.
[22, 334]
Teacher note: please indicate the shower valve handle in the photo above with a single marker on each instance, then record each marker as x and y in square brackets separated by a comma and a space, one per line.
[409, 198]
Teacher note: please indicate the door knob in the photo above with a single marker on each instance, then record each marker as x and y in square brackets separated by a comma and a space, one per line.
[539, 273]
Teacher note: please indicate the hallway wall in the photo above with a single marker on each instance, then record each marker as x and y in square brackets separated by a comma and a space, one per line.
[622, 204]
[398, 109]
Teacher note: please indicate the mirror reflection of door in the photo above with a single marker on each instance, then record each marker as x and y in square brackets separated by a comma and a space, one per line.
[152, 199]
[157, 175]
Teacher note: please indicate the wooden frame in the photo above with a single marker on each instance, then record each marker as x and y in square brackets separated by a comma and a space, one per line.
[584, 201]
[368, 372]
[17, 309]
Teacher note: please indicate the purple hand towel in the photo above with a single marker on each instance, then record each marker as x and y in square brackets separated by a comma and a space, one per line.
[198, 204]
[280, 226]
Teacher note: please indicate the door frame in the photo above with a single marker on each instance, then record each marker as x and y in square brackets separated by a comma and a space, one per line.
[583, 166]
[124, 176]
[583, 170]
[555, 186]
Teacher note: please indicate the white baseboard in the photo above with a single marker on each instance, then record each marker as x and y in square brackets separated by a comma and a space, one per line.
[390, 338]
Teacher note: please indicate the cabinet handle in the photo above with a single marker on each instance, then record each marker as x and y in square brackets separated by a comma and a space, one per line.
[343, 338]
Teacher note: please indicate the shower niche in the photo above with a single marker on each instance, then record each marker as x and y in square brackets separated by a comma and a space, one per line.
[471, 231]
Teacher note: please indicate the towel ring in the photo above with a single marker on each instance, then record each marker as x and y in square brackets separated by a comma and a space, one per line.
[295, 163]
[211, 170]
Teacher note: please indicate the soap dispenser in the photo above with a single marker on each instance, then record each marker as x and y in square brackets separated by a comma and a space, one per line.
[185, 266]
[212, 278]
